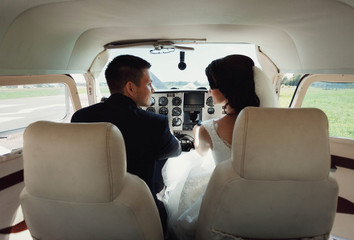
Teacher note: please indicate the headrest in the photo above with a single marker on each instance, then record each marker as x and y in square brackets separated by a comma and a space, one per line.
[281, 144]
[80, 162]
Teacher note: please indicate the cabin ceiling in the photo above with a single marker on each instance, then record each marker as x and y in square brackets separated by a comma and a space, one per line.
[55, 37]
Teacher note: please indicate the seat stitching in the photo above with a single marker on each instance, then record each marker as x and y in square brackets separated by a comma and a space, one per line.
[242, 167]
[109, 159]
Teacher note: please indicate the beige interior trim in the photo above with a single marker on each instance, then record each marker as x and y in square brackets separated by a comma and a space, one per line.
[343, 147]
[270, 69]
[92, 86]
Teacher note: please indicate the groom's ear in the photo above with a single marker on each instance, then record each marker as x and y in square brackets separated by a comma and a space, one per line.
[130, 90]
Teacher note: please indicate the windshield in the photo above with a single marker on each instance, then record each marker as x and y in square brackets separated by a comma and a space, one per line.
[166, 74]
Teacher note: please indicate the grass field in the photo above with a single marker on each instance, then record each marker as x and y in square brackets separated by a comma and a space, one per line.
[13, 93]
[338, 104]
[286, 94]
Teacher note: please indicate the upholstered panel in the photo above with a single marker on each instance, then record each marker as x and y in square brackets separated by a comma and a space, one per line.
[266, 209]
[132, 215]
[281, 144]
[82, 152]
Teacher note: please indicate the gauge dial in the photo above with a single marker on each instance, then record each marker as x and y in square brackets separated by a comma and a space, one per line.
[209, 101]
[176, 101]
[211, 110]
[152, 101]
[176, 111]
[151, 109]
[163, 110]
[163, 101]
[176, 122]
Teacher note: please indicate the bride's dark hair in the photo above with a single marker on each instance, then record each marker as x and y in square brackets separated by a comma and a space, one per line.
[233, 76]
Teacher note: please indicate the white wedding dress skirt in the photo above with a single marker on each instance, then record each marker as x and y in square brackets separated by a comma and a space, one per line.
[186, 178]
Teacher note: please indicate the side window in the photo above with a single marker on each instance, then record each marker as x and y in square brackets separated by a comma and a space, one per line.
[287, 88]
[336, 99]
[104, 90]
[21, 105]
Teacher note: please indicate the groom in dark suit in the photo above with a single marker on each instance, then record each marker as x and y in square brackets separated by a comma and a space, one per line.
[148, 139]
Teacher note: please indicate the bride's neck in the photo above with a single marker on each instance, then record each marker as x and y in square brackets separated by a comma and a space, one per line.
[229, 111]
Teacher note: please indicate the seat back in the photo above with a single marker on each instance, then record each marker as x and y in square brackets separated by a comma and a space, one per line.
[277, 184]
[77, 187]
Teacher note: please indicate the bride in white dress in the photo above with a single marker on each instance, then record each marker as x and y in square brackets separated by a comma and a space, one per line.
[236, 83]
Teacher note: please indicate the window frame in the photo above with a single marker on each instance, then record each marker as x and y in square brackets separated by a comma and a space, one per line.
[339, 146]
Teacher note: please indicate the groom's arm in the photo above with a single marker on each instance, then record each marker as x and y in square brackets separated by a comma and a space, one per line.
[170, 146]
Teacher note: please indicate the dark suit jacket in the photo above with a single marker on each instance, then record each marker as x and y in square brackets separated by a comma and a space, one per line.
[147, 136]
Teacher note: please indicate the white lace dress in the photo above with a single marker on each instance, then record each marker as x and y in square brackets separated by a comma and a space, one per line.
[186, 178]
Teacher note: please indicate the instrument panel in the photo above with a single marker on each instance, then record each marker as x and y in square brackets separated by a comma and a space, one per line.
[184, 108]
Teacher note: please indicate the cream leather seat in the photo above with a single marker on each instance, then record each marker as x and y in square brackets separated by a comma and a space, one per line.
[77, 187]
[277, 184]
